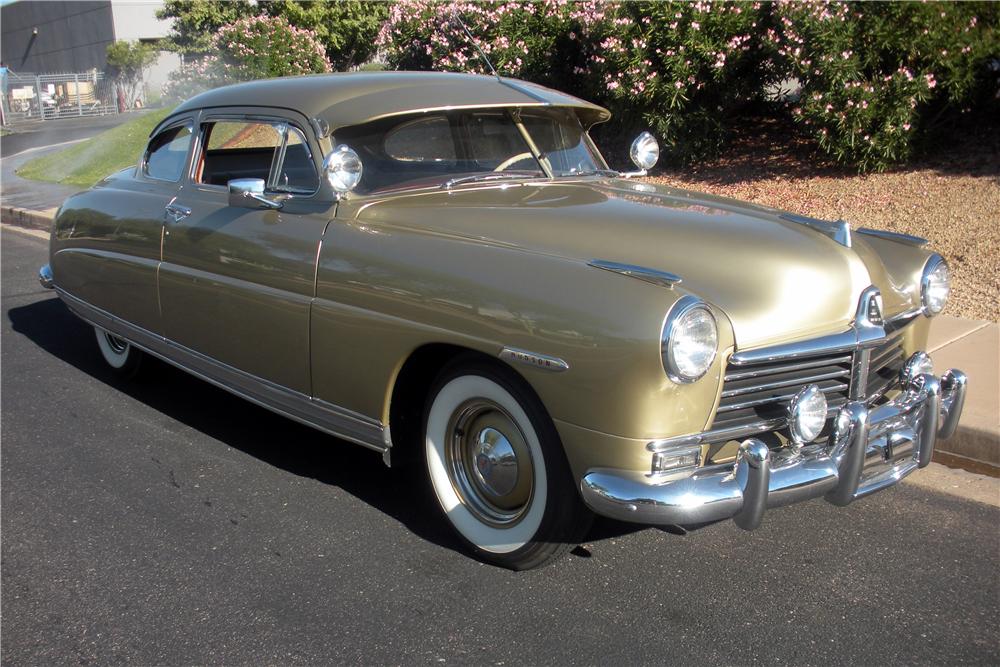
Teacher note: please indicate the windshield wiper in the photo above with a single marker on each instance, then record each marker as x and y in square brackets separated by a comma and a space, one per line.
[490, 176]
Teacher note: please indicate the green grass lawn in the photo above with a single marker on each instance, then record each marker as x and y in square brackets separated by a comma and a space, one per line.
[89, 161]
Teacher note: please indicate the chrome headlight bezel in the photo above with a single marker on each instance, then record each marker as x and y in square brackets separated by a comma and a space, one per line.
[687, 306]
[929, 279]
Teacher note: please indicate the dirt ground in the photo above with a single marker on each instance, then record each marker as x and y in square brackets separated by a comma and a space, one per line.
[950, 197]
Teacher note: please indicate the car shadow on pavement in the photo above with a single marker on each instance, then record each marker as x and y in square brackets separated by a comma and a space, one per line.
[402, 493]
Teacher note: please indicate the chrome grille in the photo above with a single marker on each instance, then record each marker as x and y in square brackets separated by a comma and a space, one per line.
[756, 392]
[759, 393]
[885, 363]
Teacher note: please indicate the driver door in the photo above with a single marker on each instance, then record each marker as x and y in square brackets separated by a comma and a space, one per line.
[236, 283]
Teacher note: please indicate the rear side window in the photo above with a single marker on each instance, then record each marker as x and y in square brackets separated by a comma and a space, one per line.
[167, 152]
[273, 152]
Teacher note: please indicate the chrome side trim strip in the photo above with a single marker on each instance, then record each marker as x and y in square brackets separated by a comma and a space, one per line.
[646, 274]
[331, 419]
[533, 359]
[838, 230]
[908, 239]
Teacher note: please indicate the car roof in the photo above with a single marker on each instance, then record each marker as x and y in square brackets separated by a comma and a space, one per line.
[352, 98]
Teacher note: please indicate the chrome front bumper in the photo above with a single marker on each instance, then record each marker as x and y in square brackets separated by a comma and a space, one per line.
[869, 449]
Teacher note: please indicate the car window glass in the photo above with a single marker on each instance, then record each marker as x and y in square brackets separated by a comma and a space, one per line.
[297, 172]
[424, 140]
[495, 139]
[562, 140]
[237, 149]
[428, 151]
[167, 151]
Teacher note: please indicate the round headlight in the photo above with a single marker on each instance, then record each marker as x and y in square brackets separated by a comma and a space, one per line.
[690, 340]
[807, 415]
[343, 169]
[935, 285]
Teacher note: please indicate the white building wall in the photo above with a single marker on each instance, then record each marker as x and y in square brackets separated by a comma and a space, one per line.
[136, 20]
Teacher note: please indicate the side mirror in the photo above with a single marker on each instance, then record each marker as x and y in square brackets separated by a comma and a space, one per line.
[645, 152]
[343, 169]
[249, 193]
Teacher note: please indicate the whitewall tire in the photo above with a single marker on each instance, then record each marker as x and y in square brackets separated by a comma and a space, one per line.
[497, 469]
[118, 353]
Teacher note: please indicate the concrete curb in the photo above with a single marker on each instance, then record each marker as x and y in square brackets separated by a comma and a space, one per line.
[975, 447]
[23, 217]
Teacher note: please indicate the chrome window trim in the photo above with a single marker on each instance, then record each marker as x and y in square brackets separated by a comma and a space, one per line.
[209, 118]
[317, 413]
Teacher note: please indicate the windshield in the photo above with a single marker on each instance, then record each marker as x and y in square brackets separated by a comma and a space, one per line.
[446, 148]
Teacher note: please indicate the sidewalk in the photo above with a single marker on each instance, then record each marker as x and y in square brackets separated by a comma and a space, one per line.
[974, 347]
[970, 345]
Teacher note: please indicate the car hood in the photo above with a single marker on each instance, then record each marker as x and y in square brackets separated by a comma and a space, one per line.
[776, 280]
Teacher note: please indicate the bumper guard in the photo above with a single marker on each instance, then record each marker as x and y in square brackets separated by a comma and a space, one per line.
[869, 449]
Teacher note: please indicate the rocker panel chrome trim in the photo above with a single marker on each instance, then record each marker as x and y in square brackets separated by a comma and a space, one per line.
[331, 419]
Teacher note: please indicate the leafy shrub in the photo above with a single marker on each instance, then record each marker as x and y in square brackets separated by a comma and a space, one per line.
[677, 67]
[258, 47]
[346, 28]
[873, 74]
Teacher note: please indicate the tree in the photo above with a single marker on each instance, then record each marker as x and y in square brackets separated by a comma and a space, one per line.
[126, 63]
[257, 47]
[347, 29]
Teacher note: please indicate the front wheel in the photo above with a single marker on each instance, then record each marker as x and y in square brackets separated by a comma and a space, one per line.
[123, 357]
[497, 468]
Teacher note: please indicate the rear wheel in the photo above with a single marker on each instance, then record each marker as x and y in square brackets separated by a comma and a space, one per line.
[497, 468]
[123, 357]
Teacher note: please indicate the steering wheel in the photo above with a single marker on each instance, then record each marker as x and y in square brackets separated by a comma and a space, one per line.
[513, 160]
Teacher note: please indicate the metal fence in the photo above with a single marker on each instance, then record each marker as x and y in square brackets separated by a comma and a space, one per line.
[33, 97]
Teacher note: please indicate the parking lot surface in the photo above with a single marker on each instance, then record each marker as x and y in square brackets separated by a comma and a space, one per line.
[163, 521]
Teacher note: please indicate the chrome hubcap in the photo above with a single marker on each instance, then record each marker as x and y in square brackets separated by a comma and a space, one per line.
[489, 463]
[117, 345]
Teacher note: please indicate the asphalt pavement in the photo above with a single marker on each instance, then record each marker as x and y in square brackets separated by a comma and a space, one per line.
[163, 521]
[32, 134]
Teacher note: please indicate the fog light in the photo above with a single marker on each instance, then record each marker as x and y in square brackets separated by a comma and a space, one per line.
[916, 365]
[676, 459]
[807, 415]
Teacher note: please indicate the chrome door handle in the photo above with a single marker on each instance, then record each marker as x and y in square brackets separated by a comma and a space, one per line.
[175, 212]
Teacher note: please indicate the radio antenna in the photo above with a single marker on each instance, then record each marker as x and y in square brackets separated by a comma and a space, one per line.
[472, 40]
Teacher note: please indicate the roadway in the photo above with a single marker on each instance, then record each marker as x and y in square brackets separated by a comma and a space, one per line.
[163, 521]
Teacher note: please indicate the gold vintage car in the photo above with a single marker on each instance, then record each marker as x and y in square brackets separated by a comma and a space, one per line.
[443, 267]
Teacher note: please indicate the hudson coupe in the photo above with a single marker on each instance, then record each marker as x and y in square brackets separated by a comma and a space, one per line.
[444, 269]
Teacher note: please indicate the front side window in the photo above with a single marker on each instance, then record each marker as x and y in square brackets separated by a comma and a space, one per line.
[273, 152]
[166, 153]
[428, 150]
